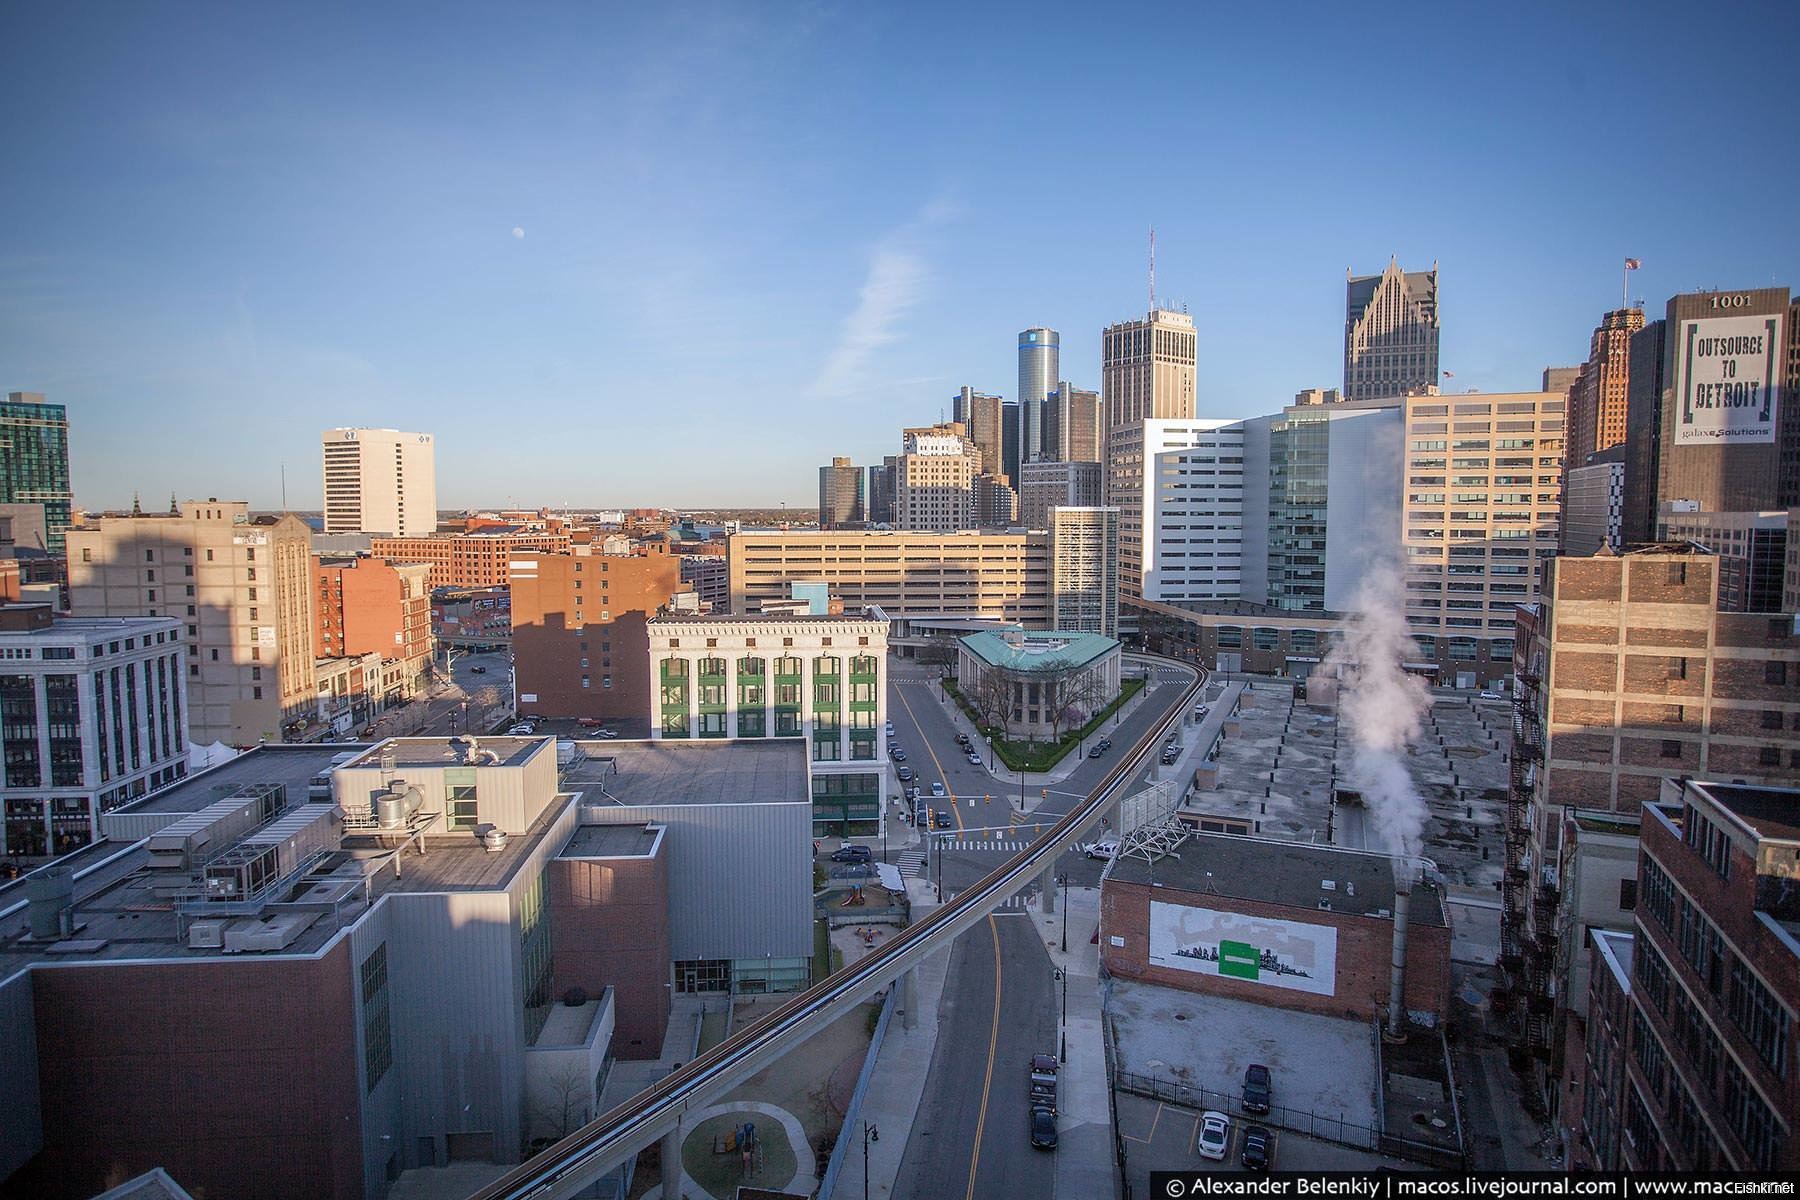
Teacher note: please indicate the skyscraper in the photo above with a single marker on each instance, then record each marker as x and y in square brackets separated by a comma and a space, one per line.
[1039, 370]
[379, 481]
[843, 502]
[34, 460]
[934, 483]
[1597, 408]
[981, 415]
[1009, 439]
[1072, 425]
[1390, 332]
[1146, 373]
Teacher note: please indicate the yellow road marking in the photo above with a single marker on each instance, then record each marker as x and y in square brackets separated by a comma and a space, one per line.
[993, 1047]
[934, 758]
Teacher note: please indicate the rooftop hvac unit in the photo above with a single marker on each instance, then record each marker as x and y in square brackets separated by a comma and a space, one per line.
[493, 838]
[206, 935]
[50, 894]
[278, 932]
[188, 842]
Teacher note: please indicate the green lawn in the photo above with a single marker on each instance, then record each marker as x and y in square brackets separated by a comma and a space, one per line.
[1041, 756]
[720, 1174]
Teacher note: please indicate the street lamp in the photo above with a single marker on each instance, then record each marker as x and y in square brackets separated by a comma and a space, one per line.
[870, 1134]
[1062, 881]
[1061, 975]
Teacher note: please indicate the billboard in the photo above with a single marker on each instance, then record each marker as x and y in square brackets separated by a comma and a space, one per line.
[1264, 950]
[1728, 380]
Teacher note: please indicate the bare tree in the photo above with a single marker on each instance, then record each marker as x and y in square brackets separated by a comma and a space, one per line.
[1086, 695]
[992, 699]
[560, 1105]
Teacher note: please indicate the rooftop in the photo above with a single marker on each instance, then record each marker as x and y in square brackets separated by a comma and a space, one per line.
[1355, 882]
[1615, 949]
[1038, 650]
[861, 614]
[292, 766]
[1772, 814]
[612, 841]
[448, 751]
[664, 773]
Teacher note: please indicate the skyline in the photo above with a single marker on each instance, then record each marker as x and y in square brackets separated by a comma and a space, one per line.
[717, 233]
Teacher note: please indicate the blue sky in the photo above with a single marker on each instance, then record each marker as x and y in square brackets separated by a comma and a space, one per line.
[758, 235]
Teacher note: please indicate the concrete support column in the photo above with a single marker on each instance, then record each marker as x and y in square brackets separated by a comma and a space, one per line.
[1047, 881]
[909, 999]
[674, 1180]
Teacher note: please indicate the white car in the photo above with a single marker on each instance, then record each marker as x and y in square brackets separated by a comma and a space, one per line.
[1103, 849]
[937, 789]
[521, 730]
[1492, 695]
[1214, 1138]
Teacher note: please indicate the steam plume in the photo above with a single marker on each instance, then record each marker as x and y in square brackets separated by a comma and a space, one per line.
[1382, 707]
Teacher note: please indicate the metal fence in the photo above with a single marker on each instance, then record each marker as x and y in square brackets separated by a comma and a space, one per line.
[1317, 1125]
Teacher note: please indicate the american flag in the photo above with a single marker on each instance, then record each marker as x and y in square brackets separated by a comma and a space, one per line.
[1632, 264]
[1449, 374]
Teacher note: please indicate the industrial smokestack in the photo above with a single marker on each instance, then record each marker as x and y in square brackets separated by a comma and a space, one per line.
[1397, 976]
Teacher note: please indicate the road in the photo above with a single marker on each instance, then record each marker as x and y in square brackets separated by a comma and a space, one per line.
[970, 1137]
[444, 710]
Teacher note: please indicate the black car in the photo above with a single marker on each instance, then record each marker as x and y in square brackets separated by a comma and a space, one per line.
[897, 754]
[1256, 1154]
[940, 819]
[963, 739]
[906, 774]
[478, 670]
[1256, 1088]
[852, 854]
[1043, 1128]
[1097, 751]
[1105, 743]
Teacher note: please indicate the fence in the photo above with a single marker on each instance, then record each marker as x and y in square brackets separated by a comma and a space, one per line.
[1316, 1125]
[850, 1132]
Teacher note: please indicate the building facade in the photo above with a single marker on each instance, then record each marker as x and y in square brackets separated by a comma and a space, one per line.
[1146, 374]
[1751, 546]
[366, 606]
[381, 481]
[1333, 497]
[242, 589]
[1599, 397]
[1037, 685]
[1040, 368]
[1084, 570]
[1049, 484]
[34, 461]
[1594, 507]
[1072, 425]
[1390, 333]
[843, 501]
[981, 415]
[1482, 512]
[469, 560]
[993, 504]
[934, 481]
[1187, 538]
[93, 715]
[578, 631]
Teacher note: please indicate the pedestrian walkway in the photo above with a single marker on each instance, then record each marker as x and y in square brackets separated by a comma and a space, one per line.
[1012, 904]
[911, 862]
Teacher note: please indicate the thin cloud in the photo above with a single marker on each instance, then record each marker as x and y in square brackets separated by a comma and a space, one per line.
[895, 283]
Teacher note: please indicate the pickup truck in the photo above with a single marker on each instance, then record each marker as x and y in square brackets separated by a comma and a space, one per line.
[1043, 1081]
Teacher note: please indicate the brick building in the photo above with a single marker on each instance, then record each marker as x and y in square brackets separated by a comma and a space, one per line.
[469, 560]
[367, 606]
[578, 630]
[1691, 1064]
[1277, 923]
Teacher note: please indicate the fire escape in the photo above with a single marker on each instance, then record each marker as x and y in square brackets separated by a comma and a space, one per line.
[1529, 898]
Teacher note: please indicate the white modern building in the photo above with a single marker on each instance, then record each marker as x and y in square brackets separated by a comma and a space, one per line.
[1593, 508]
[380, 481]
[821, 679]
[93, 715]
[1193, 510]
[1084, 570]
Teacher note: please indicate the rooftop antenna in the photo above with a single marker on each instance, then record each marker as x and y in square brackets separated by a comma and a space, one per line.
[1153, 268]
[284, 506]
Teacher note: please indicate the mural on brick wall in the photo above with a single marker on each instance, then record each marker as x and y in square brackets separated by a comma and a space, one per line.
[1263, 950]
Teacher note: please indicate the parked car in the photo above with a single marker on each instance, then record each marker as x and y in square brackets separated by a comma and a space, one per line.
[896, 753]
[522, 729]
[974, 759]
[937, 790]
[849, 853]
[1097, 752]
[906, 774]
[1043, 1129]
[1257, 1153]
[606, 733]
[965, 741]
[1103, 849]
[478, 670]
[1214, 1138]
[1042, 1081]
[890, 729]
[1200, 713]
[1487, 695]
[1256, 1088]
[940, 819]
[1104, 743]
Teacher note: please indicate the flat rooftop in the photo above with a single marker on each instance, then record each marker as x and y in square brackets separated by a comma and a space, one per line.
[612, 841]
[659, 773]
[447, 751]
[849, 614]
[1026, 651]
[293, 766]
[1774, 813]
[1290, 873]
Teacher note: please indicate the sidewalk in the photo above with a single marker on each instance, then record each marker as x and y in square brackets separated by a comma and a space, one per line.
[1084, 1152]
[901, 1069]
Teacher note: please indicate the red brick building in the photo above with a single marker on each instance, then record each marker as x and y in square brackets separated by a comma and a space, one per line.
[580, 647]
[1282, 924]
[468, 560]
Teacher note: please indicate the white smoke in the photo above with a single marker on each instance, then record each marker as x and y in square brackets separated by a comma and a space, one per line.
[1382, 708]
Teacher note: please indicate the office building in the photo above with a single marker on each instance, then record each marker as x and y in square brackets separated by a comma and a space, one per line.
[1146, 374]
[843, 502]
[1039, 370]
[981, 415]
[1560, 379]
[1390, 333]
[1186, 537]
[882, 484]
[706, 577]
[996, 576]
[1072, 425]
[1483, 502]
[818, 679]
[993, 505]
[1629, 675]
[1333, 497]
[366, 606]
[1601, 391]
[578, 638]
[380, 481]
[34, 461]
[469, 560]
[1594, 504]
[1037, 684]
[93, 715]
[1049, 484]
[1084, 570]
[1009, 438]
[934, 480]
[1687, 1053]
[242, 589]
[1751, 549]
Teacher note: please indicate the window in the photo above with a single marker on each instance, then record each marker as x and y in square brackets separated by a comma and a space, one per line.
[378, 1037]
[1761, 1017]
[463, 809]
[1627, 894]
[1230, 637]
[1775, 672]
[1671, 748]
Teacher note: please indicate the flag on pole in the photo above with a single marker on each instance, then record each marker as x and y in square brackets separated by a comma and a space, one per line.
[1632, 264]
[1449, 374]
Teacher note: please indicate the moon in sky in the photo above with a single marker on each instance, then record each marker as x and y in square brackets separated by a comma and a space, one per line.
[517, 232]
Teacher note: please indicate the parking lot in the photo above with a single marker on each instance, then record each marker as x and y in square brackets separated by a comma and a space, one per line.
[1159, 1136]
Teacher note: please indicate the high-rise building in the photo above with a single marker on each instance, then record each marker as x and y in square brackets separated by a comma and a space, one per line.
[1048, 485]
[1084, 570]
[1390, 333]
[843, 501]
[1039, 369]
[934, 482]
[1146, 374]
[469, 560]
[1483, 502]
[34, 461]
[993, 504]
[981, 415]
[1009, 438]
[93, 715]
[883, 481]
[380, 481]
[1602, 387]
[242, 589]
[578, 621]
[1150, 490]
[1594, 504]
[1072, 425]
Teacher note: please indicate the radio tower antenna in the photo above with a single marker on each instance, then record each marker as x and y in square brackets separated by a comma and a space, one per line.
[1153, 268]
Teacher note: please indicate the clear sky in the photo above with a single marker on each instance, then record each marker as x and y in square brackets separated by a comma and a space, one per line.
[682, 254]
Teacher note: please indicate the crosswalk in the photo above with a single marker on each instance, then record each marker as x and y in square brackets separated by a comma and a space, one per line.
[972, 842]
[1015, 904]
[911, 862]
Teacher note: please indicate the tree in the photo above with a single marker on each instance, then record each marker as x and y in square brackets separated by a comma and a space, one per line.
[992, 699]
[1086, 694]
[560, 1102]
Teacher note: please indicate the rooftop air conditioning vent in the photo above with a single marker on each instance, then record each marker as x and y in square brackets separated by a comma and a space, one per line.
[1328, 885]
